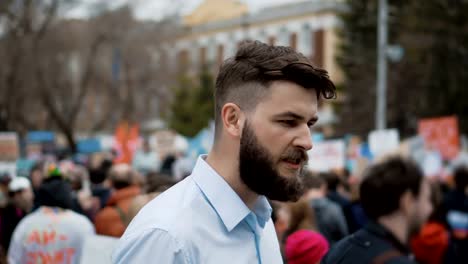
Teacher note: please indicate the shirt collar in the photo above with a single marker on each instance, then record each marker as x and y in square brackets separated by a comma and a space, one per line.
[227, 204]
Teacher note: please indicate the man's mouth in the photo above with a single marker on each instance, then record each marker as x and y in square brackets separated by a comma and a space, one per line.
[293, 163]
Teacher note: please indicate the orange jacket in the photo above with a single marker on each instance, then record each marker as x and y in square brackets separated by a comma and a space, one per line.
[109, 221]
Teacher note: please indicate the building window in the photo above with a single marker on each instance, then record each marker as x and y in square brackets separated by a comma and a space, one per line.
[211, 59]
[305, 44]
[283, 37]
[195, 55]
[183, 60]
[293, 41]
[262, 36]
[319, 38]
[203, 57]
[220, 55]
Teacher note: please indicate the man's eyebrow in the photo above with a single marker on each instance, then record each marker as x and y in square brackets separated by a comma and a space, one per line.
[293, 115]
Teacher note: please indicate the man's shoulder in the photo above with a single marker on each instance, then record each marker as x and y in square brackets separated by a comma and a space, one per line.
[364, 246]
[175, 211]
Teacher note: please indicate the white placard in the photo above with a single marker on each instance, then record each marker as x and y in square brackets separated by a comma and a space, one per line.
[382, 142]
[327, 155]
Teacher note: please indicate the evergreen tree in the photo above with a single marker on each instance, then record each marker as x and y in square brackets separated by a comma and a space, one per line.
[429, 79]
[193, 104]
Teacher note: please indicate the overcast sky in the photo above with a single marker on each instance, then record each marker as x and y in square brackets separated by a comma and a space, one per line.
[155, 9]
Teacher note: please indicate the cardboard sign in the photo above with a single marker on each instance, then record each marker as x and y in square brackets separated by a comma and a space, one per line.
[382, 142]
[442, 134]
[327, 155]
[9, 147]
[126, 142]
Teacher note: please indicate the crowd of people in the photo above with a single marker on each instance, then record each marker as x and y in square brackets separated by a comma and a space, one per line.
[375, 220]
[49, 215]
[251, 199]
[82, 201]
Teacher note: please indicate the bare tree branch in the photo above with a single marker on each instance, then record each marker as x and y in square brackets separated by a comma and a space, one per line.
[50, 14]
[84, 84]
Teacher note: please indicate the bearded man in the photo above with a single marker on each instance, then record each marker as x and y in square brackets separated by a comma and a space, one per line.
[266, 100]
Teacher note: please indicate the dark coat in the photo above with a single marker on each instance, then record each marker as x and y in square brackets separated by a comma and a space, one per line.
[370, 245]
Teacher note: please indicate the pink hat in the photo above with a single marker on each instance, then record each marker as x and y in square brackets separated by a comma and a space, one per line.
[305, 247]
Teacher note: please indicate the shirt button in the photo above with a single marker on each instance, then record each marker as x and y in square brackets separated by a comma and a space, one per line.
[367, 244]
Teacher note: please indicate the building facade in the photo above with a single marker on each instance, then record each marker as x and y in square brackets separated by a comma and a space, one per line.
[309, 26]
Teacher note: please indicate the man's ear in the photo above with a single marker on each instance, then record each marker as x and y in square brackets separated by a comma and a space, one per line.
[407, 202]
[233, 119]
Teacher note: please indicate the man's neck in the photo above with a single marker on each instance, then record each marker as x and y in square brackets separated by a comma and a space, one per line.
[230, 173]
[397, 225]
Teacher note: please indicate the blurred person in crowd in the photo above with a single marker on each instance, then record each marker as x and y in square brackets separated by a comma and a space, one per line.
[280, 217]
[156, 184]
[183, 165]
[354, 213]
[303, 244]
[167, 164]
[21, 203]
[329, 216]
[266, 101]
[431, 243]
[146, 160]
[301, 216]
[82, 195]
[36, 176]
[4, 181]
[97, 177]
[52, 233]
[112, 219]
[456, 206]
[53, 170]
[305, 247]
[396, 198]
[336, 189]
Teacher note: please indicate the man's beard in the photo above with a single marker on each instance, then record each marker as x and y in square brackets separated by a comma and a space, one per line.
[258, 169]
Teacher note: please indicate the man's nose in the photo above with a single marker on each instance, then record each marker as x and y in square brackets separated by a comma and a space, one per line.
[304, 139]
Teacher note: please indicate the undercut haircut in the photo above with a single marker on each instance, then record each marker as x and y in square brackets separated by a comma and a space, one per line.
[245, 78]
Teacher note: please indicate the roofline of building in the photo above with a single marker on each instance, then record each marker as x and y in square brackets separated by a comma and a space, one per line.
[272, 14]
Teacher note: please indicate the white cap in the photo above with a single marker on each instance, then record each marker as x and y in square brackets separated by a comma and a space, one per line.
[19, 183]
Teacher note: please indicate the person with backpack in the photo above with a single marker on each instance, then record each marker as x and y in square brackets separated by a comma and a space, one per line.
[112, 219]
[396, 198]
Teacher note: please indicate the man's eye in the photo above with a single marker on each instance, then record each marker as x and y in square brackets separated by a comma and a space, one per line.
[289, 123]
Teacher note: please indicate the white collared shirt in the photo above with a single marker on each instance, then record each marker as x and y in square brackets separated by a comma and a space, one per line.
[200, 220]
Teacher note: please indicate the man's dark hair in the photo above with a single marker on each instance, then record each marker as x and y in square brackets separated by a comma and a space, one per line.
[461, 178]
[312, 181]
[386, 182]
[244, 79]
